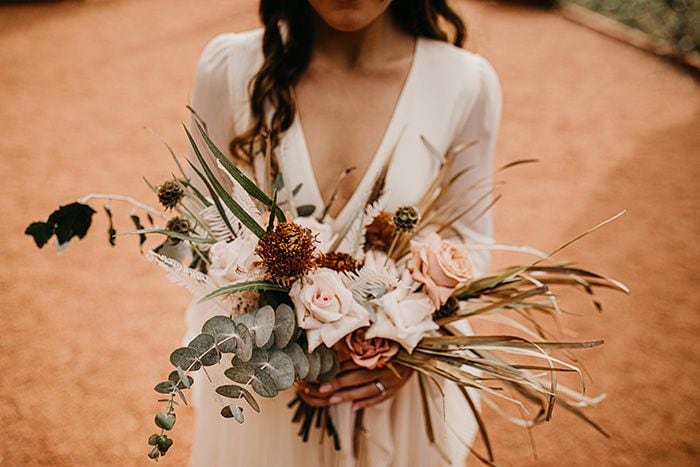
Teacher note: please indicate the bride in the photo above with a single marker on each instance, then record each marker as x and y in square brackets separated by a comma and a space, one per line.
[344, 84]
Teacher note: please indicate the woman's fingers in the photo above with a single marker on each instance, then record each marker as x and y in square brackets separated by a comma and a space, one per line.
[314, 401]
[359, 392]
[350, 379]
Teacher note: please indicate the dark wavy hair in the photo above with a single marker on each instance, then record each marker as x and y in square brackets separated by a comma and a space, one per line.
[287, 54]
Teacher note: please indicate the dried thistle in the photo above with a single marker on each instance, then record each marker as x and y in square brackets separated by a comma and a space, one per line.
[179, 225]
[170, 193]
[341, 262]
[287, 252]
[380, 232]
[406, 218]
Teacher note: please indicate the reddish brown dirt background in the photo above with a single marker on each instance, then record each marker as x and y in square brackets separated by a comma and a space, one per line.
[86, 335]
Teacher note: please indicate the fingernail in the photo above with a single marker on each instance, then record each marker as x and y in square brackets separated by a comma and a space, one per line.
[355, 408]
[335, 399]
[325, 388]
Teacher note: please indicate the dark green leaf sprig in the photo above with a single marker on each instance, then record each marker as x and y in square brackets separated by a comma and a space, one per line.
[269, 354]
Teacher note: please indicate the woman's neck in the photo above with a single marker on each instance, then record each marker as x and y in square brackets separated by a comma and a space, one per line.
[381, 41]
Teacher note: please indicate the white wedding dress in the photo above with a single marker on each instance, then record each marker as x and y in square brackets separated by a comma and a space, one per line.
[450, 96]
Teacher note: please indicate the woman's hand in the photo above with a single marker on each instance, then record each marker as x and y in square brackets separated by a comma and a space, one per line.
[355, 384]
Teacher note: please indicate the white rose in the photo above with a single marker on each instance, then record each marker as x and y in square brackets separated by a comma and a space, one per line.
[233, 261]
[325, 308]
[403, 316]
[323, 232]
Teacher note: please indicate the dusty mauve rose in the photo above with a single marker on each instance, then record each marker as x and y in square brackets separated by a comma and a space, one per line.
[325, 308]
[233, 261]
[440, 266]
[323, 232]
[370, 353]
[404, 316]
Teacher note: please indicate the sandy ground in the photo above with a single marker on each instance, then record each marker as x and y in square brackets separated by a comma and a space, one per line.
[86, 335]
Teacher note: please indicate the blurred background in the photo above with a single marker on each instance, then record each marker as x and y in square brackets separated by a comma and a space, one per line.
[603, 92]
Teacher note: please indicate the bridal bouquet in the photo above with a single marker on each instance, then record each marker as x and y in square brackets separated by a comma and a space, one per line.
[288, 293]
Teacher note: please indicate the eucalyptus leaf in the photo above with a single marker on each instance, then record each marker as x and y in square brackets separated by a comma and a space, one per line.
[244, 344]
[164, 420]
[175, 376]
[222, 328]
[233, 411]
[314, 366]
[164, 387]
[327, 358]
[241, 372]
[185, 358]
[299, 359]
[204, 345]
[236, 392]
[260, 358]
[281, 368]
[330, 374]
[285, 325]
[270, 344]
[264, 323]
[264, 384]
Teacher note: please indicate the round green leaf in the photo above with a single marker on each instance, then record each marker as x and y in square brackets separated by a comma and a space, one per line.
[263, 325]
[299, 359]
[259, 358]
[236, 392]
[244, 344]
[233, 411]
[174, 377]
[185, 358]
[285, 325]
[204, 345]
[240, 372]
[222, 328]
[281, 368]
[330, 374]
[270, 343]
[314, 366]
[263, 384]
[164, 387]
[164, 444]
[327, 358]
[165, 420]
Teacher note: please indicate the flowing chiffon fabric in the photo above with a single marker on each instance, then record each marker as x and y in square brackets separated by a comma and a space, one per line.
[450, 96]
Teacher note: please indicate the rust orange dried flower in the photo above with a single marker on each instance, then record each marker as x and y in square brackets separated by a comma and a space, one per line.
[287, 252]
[337, 261]
[380, 232]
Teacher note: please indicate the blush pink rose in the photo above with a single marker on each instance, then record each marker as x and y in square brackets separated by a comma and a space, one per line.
[370, 353]
[325, 308]
[440, 266]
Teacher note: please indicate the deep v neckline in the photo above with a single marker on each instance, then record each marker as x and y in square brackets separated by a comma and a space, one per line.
[380, 153]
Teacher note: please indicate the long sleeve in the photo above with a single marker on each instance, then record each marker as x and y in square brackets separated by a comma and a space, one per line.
[480, 123]
[212, 100]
